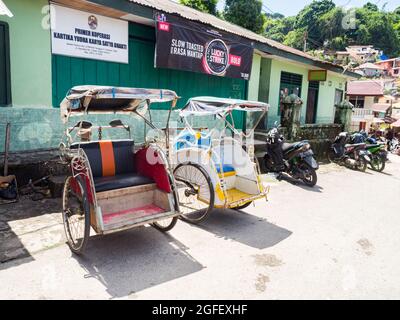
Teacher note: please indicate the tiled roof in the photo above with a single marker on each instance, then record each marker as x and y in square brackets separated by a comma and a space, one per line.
[380, 107]
[365, 88]
[172, 7]
[370, 65]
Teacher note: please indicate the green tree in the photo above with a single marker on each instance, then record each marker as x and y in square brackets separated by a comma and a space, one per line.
[376, 28]
[371, 6]
[308, 19]
[245, 13]
[277, 29]
[295, 38]
[330, 24]
[208, 6]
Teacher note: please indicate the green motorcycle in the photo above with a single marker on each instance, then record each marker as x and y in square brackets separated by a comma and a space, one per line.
[378, 156]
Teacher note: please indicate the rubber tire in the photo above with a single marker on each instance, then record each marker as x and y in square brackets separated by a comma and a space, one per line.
[212, 193]
[314, 176]
[244, 206]
[168, 228]
[364, 165]
[86, 208]
[382, 163]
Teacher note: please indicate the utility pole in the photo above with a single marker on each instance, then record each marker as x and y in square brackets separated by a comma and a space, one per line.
[305, 41]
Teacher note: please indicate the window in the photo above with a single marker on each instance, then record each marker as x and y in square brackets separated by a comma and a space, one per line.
[292, 82]
[376, 99]
[357, 101]
[338, 96]
[5, 87]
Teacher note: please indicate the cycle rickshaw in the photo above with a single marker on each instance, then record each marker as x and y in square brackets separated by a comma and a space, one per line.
[114, 184]
[212, 167]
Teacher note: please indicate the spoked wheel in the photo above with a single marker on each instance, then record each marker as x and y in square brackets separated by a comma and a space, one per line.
[378, 163]
[76, 214]
[310, 175]
[361, 164]
[195, 191]
[165, 224]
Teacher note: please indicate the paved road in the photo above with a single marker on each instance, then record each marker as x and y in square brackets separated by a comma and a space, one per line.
[340, 240]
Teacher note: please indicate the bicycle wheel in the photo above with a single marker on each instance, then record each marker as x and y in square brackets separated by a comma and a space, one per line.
[165, 225]
[195, 191]
[243, 206]
[76, 214]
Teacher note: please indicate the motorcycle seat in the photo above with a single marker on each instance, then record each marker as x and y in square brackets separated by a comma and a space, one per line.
[370, 146]
[289, 146]
[355, 145]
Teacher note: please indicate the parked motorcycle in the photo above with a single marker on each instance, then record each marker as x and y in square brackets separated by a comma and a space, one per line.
[354, 156]
[295, 159]
[378, 155]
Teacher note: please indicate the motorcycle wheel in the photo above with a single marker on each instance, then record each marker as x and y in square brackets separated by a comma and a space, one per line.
[378, 163]
[361, 165]
[310, 179]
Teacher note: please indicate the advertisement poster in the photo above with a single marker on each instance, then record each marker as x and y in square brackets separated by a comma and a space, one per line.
[191, 46]
[81, 34]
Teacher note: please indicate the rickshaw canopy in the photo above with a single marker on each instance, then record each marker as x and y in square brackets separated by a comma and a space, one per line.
[106, 99]
[203, 106]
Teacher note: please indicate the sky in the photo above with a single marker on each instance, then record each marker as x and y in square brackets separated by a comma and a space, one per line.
[292, 7]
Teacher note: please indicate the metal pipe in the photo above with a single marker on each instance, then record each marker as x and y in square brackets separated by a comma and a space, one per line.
[7, 148]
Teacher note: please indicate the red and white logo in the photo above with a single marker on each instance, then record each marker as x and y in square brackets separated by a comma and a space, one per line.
[235, 60]
[163, 26]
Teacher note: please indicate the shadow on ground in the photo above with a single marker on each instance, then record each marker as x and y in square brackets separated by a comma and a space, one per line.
[131, 261]
[11, 246]
[245, 228]
[301, 184]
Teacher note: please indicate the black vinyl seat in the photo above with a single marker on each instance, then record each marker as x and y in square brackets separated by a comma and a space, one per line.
[289, 146]
[120, 181]
[113, 164]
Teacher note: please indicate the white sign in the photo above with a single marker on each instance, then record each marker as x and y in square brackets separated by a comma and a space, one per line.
[85, 35]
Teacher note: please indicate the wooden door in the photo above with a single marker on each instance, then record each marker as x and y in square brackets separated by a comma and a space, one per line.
[312, 102]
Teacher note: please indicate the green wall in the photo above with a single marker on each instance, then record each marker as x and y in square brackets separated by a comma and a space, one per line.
[254, 82]
[35, 124]
[140, 72]
[30, 53]
[270, 86]
[277, 67]
[326, 98]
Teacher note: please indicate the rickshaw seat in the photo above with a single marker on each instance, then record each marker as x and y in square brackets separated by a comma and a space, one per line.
[113, 164]
[120, 181]
[225, 167]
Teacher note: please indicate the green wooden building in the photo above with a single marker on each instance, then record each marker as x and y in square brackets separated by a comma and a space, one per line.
[33, 81]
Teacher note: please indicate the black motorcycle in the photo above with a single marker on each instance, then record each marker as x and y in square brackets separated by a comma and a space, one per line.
[295, 159]
[354, 156]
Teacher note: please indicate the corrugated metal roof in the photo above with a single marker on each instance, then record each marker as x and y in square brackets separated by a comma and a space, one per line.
[172, 7]
[380, 107]
[4, 10]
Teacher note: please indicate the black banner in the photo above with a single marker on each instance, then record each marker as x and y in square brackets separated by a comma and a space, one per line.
[191, 46]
